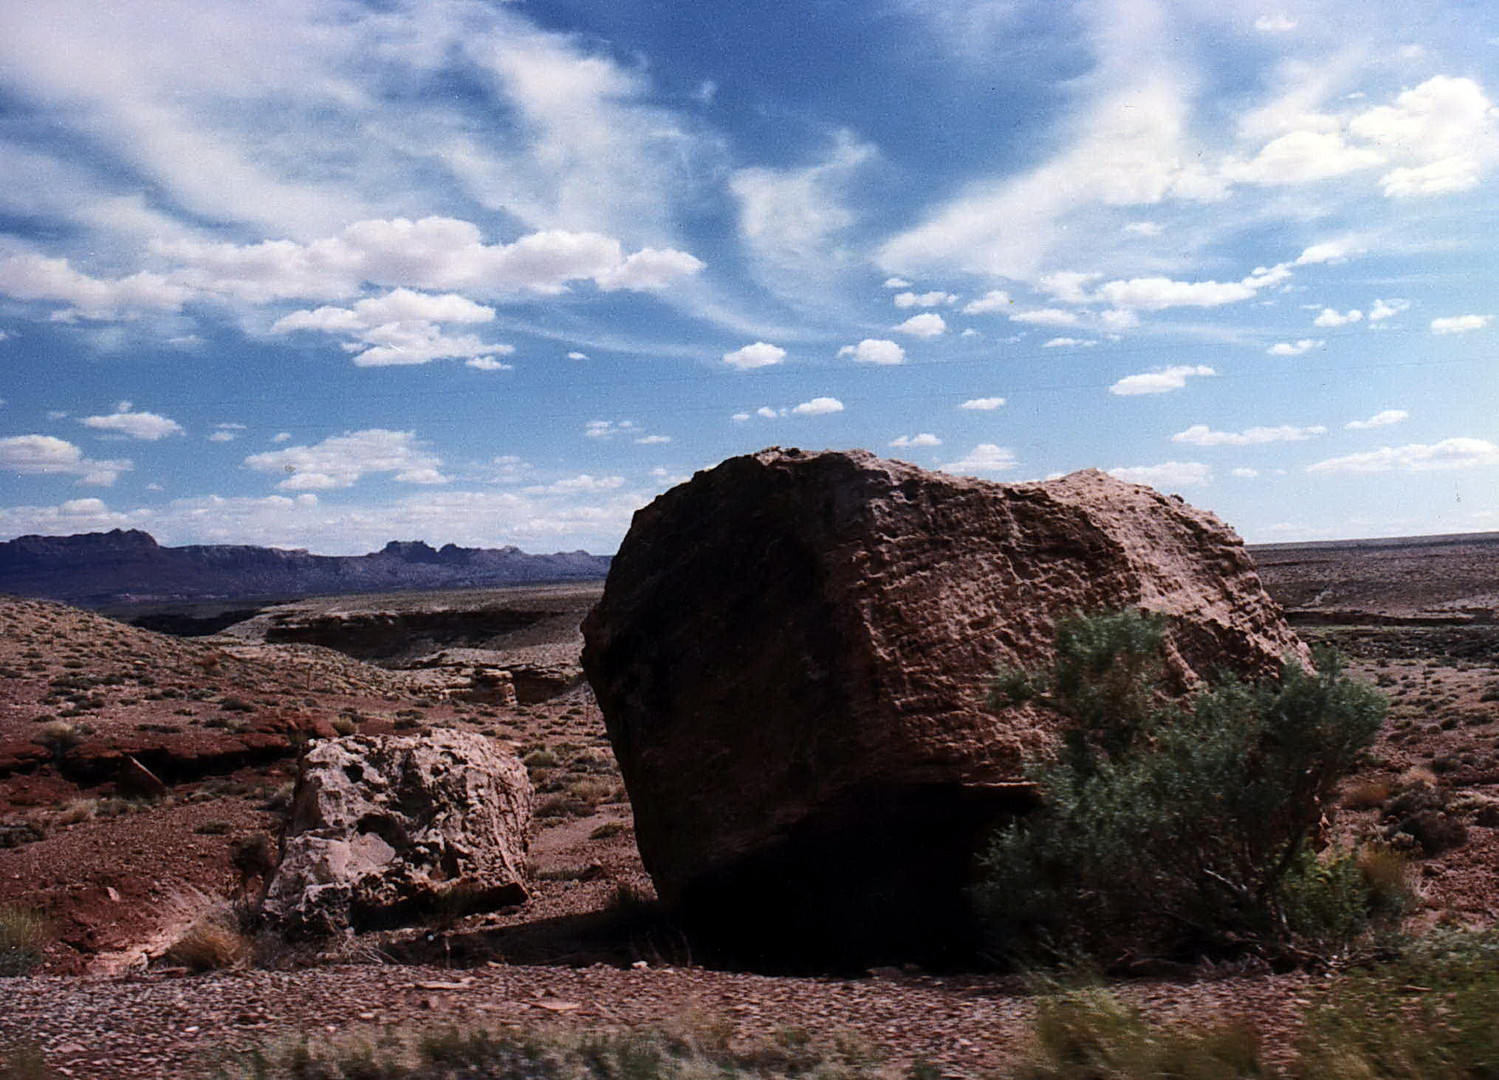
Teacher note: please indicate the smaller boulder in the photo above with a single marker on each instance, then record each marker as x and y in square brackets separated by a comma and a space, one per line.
[386, 830]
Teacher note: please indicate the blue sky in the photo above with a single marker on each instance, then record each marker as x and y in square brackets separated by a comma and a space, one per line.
[324, 273]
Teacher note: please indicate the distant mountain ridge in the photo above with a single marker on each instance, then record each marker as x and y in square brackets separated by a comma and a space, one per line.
[121, 565]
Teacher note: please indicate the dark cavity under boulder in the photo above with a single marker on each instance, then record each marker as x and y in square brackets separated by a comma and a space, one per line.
[792, 656]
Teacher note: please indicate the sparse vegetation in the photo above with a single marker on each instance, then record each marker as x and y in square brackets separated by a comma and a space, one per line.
[24, 933]
[215, 939]
[1179, 827]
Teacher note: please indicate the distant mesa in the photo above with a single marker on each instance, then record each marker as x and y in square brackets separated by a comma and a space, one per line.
[792, 655]
[98, 569]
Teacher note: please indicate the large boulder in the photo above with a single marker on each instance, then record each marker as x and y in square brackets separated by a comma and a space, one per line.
[792, 655]
[387, 829]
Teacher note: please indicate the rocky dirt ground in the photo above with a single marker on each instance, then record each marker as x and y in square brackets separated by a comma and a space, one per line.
[117, 869]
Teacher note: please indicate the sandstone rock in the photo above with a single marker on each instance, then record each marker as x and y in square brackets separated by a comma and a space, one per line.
[386, 829]
[792, 655]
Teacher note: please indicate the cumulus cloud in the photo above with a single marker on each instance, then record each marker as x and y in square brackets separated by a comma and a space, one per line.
[1443, 129]
[1331, 317]
[982, 460]
[340, 461]
[577, 356]
[43, 455]
[34, 277]
[897, 283]
[584, 483]
[1381, 310]
[995, 300]
[1202, 435]
[1295, 348]
[1068, 343]
[983, 404]
[1383, 418]
[653, 440]
[1160, 380]
[1330, 251]
[926, 325]
[924, 439]
[1449, 454]
[1303, 157]
[401, 327]
[1160, 293]
[433, 253]
[138, 425]
[928, 299]
[1169, 475]
[1243, 472]
[1459, 324]
[758, 355]
[875, 351]
[606, 429]
[818, 406]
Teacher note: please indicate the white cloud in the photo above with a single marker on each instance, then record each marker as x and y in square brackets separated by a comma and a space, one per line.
[281, 437]
[1387, 309]
[1443, 128]
[760, 354]
[819, 406]
[1243, 472]
[765, 412]
[1460, 453]
[577, 356]
[1330, 251]
[995, 300]
[1170, 475]
[875, 351]
[790, 219]
[434, 253]
[1068, 343]
[1330, 317]
[1459, 324]
[33, 277]
[1202, 435]
[1303, 157]
[342, 460]
[897, 283]
[983, 459]
[43, 455]
[926, 325]
[928, 299]
[1380, 419]
[1159, 293]
[1069, 286]
[1142, 228]
[983, 404]
[1295, 348]
[584, 483]
[606, 429]
[740, 417]
[653, 440]
[924, 439]
[138, 425]
[1275, 24]
[1160, 380]
[488, 363]
[1047, 317]
[401, 327]
[222, 436]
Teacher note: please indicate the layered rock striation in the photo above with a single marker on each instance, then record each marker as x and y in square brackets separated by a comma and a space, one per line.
[792, 655]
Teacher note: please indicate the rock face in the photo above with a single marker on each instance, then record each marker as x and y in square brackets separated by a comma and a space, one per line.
[385, 829]
[792, 655]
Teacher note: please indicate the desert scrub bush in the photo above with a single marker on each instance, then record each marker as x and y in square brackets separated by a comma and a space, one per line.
[520, 1054]
[24, 933]
[1432, 1013]
[1175, 826]
[1089, 1034]
[216, 939]
[58, 737]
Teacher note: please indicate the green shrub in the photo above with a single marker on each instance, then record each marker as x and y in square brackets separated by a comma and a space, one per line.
[1176, 826]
